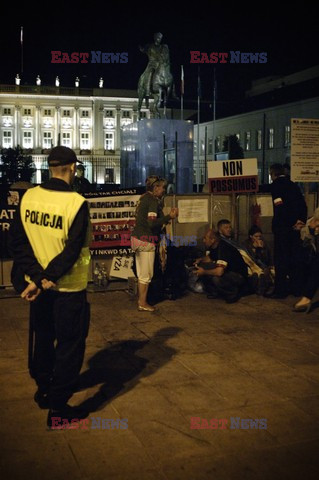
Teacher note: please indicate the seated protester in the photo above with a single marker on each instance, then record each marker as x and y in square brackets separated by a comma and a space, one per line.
[255, 272]
[309, 234]
[260, 252]
[222, 270]
[257, 248]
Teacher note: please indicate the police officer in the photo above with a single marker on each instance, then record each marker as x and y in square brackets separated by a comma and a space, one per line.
[50, 244]
[289, 208]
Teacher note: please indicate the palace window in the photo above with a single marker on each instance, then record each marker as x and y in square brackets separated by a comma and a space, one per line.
[66, 113]
[85, 113]
[271, 135]
[66, 139]
[259, 140]
[218, 143]
[85, 141]
[109, 141]
[27, 111]
[47, 112]
[287, 136]
[109, 113]
[27, 140]
[7, 139]
[47, 139]
[7, 111]
[247, 141]
[126, 114]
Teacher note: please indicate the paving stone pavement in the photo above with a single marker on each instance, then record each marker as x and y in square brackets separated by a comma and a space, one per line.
[193, 357]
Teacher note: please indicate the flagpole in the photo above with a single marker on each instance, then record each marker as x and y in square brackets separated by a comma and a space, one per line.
[214, 115]
[198, 120]
[21, 42]
[182, 92]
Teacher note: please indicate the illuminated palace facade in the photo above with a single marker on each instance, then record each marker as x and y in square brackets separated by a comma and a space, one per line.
[89, 121]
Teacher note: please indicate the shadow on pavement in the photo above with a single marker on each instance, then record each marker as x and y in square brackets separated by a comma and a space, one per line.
[120, 366]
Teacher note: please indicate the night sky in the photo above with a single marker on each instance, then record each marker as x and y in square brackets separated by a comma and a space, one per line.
[289, 39]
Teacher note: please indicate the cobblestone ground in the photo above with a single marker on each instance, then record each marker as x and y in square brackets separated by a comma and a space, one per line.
[194, 357]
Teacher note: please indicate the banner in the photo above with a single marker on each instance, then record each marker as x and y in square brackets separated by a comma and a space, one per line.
[113, 219]
[9, 201]
[233, 176]
[112, 216]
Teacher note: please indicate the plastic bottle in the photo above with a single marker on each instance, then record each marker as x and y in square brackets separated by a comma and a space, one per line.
[96, 274]
[105, 278]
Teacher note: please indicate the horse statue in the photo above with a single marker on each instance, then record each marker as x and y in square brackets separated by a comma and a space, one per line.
[157, 80]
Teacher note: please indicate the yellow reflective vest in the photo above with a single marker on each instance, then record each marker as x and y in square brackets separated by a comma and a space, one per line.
[47, 216]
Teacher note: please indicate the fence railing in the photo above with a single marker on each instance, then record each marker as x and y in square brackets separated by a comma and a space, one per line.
[98, 168]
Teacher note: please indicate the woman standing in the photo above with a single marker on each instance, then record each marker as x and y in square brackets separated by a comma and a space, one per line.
[309, 234]
[146, 235]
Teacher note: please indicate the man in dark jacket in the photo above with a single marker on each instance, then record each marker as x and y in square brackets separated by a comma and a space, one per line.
[223, 270]
[289, 207]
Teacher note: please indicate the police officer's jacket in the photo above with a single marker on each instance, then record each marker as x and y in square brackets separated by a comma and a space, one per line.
[55, 221]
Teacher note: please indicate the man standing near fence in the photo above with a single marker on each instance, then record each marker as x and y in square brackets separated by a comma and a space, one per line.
[50, 245]
[289, 209]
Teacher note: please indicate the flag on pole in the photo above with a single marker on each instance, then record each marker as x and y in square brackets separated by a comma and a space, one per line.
[182, 80]
[21, 36]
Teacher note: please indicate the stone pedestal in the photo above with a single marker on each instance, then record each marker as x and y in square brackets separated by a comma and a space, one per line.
[158, 147]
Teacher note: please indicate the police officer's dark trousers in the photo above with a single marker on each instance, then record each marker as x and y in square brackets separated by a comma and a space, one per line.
[60, 322]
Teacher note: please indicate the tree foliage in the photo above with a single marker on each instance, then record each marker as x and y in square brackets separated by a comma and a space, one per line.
[231, 145]
[15, 166]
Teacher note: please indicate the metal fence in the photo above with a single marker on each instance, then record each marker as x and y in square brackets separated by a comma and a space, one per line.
[99, 169]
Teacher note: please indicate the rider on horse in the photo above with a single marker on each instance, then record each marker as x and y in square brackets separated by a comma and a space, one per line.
[157, 76]
[154, 52]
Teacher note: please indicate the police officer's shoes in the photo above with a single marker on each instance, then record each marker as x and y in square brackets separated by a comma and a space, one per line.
[42, 399]
[65, 417]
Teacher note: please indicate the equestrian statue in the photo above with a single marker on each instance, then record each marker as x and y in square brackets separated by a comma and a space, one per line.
[157, 80]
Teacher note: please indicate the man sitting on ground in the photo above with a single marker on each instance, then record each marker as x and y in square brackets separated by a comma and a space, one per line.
[222, 270]
[256, 277]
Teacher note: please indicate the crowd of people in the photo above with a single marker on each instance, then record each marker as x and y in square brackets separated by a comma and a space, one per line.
[49, 242]
[229, 269]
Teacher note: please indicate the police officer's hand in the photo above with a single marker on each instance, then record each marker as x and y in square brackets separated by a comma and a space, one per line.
[47, 284]
[31, 292]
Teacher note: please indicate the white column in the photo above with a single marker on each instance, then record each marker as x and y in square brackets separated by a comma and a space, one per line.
[17, 126]
[76, 133]
[37, 128]
[117, 139]
[57, 124]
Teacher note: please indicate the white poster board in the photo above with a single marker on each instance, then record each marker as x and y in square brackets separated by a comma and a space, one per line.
[193, 211]
[305, 150]
[122, 267]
